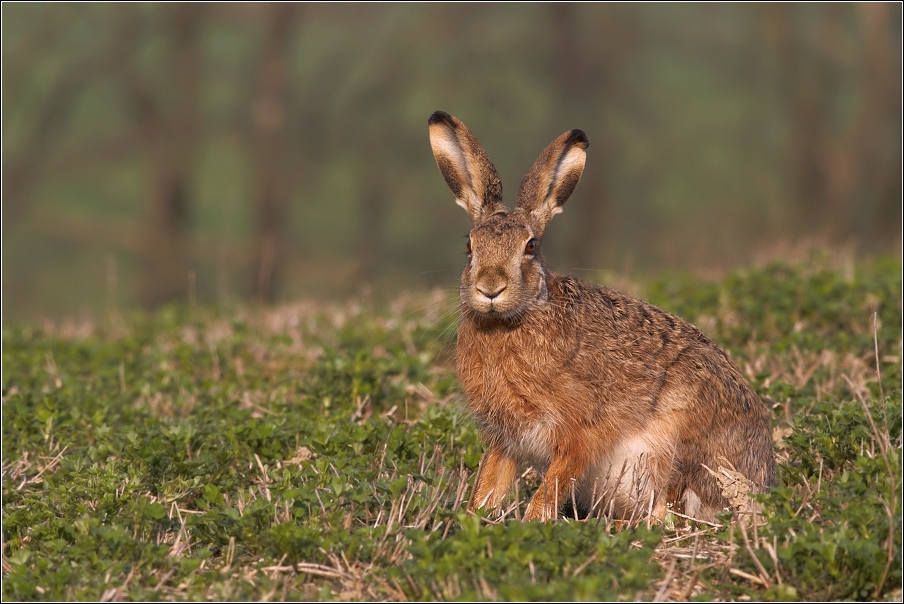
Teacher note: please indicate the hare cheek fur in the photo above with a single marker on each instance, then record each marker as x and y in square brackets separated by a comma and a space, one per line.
[618, 403]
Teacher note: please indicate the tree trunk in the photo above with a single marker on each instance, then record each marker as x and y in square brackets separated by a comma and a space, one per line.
[270, 149]
[171, 134]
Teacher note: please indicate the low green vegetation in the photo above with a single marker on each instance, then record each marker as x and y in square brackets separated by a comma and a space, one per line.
[320, 451]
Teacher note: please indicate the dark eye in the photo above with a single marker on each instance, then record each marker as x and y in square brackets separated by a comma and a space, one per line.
[531, 246]
[468, 245]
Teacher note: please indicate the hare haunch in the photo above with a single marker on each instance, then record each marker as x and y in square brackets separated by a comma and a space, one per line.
[617, 402]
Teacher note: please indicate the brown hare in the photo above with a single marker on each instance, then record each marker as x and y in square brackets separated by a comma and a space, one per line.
[618, 403]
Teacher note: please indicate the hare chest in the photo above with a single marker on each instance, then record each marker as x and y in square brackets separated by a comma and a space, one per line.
[517, 407]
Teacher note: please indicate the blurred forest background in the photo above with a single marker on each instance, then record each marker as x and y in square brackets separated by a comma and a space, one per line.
[223, 153]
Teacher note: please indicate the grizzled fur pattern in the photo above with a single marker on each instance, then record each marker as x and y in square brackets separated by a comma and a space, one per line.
[617, 402]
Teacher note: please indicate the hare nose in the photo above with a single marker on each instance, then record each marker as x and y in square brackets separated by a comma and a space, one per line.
[491, 291]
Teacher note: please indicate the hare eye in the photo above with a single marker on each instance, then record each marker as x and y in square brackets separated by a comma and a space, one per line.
[531, 246]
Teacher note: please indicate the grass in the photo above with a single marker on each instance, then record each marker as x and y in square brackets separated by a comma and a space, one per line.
[322, 452]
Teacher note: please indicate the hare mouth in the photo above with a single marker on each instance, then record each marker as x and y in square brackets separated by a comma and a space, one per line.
[494, 314]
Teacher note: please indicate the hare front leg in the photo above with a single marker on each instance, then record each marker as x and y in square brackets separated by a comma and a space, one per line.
[494, 478]
[556, 489]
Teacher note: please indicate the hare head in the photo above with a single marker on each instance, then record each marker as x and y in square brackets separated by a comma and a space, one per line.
[505, 274]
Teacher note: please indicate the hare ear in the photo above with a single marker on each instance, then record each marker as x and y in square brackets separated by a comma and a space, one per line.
[553, 177]
[465, 166]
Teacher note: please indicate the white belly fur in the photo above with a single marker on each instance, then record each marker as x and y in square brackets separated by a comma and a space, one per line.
[532, 446]
[626, 481]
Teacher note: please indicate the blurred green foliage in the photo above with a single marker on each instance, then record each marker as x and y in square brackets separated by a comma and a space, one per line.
[156, 153]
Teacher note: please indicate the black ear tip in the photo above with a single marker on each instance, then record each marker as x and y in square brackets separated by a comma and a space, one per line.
[441, 117]
[577, 137]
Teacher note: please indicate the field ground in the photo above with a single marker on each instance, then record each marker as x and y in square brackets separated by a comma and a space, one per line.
[318, 451]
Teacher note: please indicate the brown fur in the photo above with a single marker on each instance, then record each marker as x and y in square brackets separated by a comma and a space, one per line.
[620, 403]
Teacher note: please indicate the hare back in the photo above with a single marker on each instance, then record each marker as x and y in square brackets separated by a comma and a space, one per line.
[631, 390]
